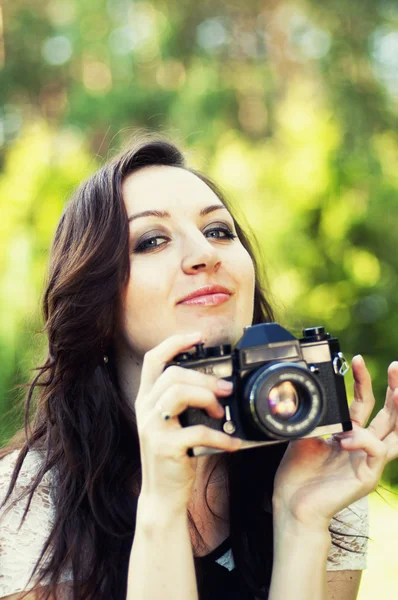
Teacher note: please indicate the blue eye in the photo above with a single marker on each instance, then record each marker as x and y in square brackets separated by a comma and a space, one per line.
[157, 241]
[150, 243]
[220, 233]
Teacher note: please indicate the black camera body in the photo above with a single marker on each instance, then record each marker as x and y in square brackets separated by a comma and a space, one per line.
[284, 388]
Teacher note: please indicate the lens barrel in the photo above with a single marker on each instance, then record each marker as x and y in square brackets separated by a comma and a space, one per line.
[283, 400]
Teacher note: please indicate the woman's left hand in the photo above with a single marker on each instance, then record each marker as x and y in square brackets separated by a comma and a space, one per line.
[316, 478]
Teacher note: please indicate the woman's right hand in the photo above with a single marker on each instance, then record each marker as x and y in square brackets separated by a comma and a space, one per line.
[167, 470]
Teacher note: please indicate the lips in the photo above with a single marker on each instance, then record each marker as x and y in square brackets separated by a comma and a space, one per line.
[207, 290]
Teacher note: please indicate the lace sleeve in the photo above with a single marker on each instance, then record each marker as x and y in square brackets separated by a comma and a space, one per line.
[21, 545]
[350, 530]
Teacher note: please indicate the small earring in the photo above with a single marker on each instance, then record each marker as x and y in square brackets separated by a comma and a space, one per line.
[105, 357]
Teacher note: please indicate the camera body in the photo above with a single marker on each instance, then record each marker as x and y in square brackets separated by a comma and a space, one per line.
[285, 388]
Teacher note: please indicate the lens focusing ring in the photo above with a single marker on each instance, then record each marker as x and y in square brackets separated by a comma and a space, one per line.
[311, 400]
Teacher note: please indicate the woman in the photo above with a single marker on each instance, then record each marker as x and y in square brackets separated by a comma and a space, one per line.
[116, 508]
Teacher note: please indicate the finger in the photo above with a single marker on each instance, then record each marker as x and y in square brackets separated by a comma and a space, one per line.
[179, 396]
[200, 435]
[392, 374]
[176, 374]
[156, 359]
[362, 405]
[376, 450]
[391, 440]
[385, 420]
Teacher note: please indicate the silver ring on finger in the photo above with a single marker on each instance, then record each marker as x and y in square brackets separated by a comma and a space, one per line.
[163, 413]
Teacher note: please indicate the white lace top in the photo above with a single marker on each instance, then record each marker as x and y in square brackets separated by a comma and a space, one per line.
[20, 547]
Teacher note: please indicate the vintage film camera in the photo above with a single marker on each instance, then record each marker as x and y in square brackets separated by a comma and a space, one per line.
[284, 388]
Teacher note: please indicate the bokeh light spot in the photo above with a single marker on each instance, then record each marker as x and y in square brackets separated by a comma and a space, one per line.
[97, 76]
[384, 52]
[61, 12]
[121, 40]
[363, 266]
[211, 34]
[57, 50]
[171, 74]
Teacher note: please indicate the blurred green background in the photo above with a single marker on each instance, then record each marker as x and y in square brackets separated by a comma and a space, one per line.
[291, 106]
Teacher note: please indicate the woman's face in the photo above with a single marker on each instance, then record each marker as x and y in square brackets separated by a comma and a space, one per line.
[181, 241]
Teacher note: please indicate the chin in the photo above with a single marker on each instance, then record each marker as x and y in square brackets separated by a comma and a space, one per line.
[215, 336]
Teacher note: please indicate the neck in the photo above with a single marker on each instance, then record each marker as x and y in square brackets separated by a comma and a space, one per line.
[128, 367]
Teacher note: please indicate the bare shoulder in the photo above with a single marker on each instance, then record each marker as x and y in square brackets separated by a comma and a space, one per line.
[343, 585]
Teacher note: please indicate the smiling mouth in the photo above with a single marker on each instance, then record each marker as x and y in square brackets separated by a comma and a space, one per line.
[214, 299]
[208, 294]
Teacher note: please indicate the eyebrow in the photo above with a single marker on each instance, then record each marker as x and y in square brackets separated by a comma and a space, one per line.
[164, 214]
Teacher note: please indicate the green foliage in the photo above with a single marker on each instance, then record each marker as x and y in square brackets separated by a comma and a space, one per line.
[40, 171]
[290, 106]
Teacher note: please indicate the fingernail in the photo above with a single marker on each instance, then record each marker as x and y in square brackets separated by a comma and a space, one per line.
[342, 435]
[220, 411]
[359, 356]
[347, 440]
[225, 386]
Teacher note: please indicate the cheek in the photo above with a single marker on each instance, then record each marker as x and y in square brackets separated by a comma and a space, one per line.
[244, 269]
[144, 295]
[243, 273]
[147, 300]
[144, 290]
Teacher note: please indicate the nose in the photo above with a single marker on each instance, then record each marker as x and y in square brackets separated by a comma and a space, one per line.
[200, 255]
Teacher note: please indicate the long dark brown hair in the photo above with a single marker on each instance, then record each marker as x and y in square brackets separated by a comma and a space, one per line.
[78, 418]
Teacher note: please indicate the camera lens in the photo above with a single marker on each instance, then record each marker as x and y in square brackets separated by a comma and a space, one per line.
[283, 400]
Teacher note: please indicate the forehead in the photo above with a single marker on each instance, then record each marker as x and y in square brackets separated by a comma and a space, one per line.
[166, 188]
